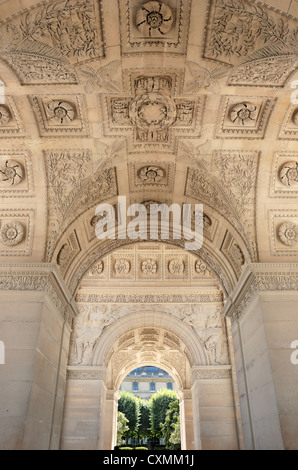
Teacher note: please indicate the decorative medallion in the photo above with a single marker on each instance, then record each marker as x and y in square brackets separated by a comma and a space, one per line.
[12, 233]
[288, 233]
[149, 266]
[201, 268]
[11, 173]
[122, 266]
[244, 114]
[97, 268]
[176, 266]
[5, 115]
[154, 19]
[151, 174]
[60, 112]
[288, 173]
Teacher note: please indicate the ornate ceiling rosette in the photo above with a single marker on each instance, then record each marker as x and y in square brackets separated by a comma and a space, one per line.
[243, 114]
[151, 174]
[288, 173]
[60, 112]
[154, 19]
[288, 234]
[12, 233]
[11, 173]
[149, 266]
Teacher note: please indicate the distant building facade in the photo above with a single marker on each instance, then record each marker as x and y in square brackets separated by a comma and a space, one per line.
[145, 381]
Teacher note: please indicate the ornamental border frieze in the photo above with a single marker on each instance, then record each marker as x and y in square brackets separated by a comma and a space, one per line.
[151, 298]
[85, 374]
[224, 372]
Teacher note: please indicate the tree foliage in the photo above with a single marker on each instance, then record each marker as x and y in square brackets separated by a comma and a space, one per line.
[122, 427]
[129, 405]
[159, 405]
[144, 428]
[171, 426]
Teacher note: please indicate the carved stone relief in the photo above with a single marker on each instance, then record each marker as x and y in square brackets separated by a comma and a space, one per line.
[154, 25]
[288, 234]
[233, 252]
[10, 121]
[68, 251]
[149, 266]
[288, 173]
[289, 126]
[11, 173]
[60, 29]
[243, 119]
[12, 233]
[5, 115]
[62, 116]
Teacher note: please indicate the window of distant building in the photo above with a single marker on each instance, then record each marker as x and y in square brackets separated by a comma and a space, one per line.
[135, 386]
[169, 386]
[152, 387]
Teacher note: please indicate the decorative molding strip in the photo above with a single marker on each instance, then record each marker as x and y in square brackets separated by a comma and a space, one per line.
[150, 297]
[285, 281]
[86, 373]
[211, 372]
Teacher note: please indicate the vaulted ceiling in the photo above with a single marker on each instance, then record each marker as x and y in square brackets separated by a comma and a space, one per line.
[176, 101]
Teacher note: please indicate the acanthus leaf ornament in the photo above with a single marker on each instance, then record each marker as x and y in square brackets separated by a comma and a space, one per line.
[12, 233]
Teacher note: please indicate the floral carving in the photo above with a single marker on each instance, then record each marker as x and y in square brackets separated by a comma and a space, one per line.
[202, 269]
[239, 24]
[288, 233]
[289, 173]
[176, 266]
[149, 266]
[11, 173]
[97, 268]
[68, 28]
[12, 233]
[60, 112]
[5, 115]
[122, 266]
[243, 114]
[151, 174]
[154, 19]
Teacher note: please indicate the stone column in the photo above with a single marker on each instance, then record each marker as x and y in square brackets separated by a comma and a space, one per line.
[83, 417]
[35, 324]
[263, 311]
[214, 411]
[186, 420]
[109, 428]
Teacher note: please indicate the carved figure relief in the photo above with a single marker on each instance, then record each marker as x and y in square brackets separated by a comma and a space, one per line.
[11, 173]
[288, 173]
[12, 233]
[288, 234]
[154, 19]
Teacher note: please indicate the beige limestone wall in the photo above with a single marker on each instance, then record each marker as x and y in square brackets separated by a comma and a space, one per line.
[217, 420]
[32, 380]
[280, 315]
[260, 418]
[82, 420]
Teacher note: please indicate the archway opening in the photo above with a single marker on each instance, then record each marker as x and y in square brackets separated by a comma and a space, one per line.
[149, 410]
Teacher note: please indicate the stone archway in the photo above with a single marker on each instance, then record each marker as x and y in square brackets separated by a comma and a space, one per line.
[142, 337]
